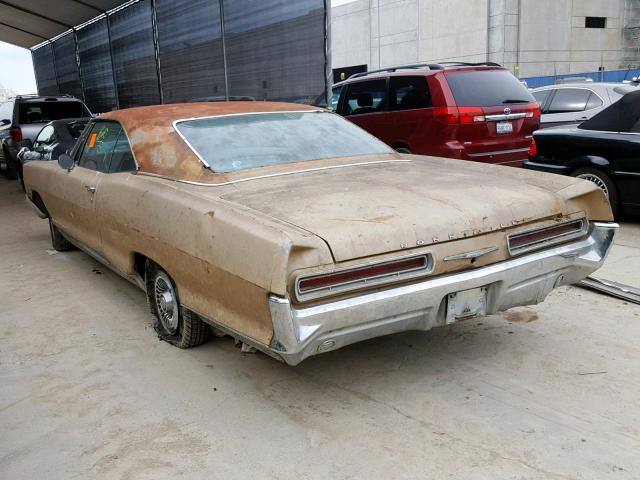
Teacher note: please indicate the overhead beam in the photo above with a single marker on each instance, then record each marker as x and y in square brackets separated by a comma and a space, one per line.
[35, 14]
[23, 31]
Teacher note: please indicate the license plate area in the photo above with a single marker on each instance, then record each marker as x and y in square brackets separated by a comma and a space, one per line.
[466, 304]
[504, 128]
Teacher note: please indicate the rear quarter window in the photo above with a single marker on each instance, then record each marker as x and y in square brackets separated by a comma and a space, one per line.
[44, 112]
[487, 88]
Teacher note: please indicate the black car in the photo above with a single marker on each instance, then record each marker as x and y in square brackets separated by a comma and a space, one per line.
[604, 150]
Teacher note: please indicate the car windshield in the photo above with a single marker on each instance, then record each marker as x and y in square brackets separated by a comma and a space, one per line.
[487, 88]
[238, 142]
[43, 112]
[621, 116]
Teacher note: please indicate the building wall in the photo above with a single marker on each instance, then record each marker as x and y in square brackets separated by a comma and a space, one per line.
[532, 37]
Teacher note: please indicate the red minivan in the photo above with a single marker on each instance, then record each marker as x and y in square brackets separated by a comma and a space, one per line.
[466, 111]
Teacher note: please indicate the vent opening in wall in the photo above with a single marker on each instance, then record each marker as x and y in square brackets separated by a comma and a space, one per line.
[595, 22]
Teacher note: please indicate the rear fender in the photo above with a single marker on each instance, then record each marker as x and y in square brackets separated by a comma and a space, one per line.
[592, 161]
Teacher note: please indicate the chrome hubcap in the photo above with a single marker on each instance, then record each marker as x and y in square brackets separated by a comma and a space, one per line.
[166, 302]
[597, 180]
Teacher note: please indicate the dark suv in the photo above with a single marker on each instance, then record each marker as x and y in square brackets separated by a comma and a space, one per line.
[475, 112]
[22, 118]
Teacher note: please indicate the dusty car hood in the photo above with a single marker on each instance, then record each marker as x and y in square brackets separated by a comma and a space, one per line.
[371, 209]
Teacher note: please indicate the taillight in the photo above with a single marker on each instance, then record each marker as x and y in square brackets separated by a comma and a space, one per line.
[460, 115]
[533, 111]
[339, 281]
[16, 134]
[546, 236]
[533, 149]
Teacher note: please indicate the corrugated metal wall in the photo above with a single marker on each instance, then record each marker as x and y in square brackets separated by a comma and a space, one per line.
[166, 51]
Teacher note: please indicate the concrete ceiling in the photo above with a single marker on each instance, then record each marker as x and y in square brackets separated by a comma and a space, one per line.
[27, 23]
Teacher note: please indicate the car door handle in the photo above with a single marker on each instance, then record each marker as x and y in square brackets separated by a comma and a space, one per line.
[90, 188]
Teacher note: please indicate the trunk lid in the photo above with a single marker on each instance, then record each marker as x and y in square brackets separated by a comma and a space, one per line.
[373, 209]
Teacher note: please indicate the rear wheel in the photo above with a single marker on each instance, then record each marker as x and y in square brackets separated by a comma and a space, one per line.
[174, 324]
[58, 241]
[604, 182]
[12, 170]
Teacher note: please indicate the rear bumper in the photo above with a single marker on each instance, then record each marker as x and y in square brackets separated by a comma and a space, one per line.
[526, 280]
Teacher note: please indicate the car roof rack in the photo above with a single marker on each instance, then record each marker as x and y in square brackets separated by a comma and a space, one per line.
[429, 66]
[468, 64]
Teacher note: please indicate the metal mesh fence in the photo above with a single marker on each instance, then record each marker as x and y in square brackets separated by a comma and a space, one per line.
[96, 68]
[67, 75]
[165, 51]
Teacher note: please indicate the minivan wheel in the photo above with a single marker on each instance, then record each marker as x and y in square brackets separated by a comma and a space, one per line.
[174, 324]
[604, 182]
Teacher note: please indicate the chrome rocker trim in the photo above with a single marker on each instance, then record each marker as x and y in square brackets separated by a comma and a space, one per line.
[300, 332]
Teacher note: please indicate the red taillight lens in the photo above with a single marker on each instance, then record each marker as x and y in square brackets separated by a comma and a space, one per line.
[355, 278]
[524, 242]
[460, 115]
[447, 115]
[16, 134]
[533, 149]
[533, 111]
[471, 115]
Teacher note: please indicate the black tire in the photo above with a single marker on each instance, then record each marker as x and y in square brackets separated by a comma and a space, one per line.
[59, 243]
[173, 323]
[403, 150]
[603, 181]
[12, 169]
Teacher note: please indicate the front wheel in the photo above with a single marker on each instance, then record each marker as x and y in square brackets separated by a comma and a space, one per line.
[174, 324]
[403, 150]
[604, 182]
[60, 244]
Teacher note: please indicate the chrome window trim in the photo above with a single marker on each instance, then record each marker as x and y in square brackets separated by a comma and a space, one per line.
[204, 162]
[549, 241]
[355, 285]
[271, 175]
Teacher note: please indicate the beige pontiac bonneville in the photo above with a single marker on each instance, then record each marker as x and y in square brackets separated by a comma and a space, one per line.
[297, 233]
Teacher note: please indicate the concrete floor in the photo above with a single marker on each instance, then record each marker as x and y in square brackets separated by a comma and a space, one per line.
[87, 390]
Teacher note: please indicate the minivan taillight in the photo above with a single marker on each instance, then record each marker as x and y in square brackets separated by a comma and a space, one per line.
[460, 115]
[533, 149]
[533, 111]
[16, 134]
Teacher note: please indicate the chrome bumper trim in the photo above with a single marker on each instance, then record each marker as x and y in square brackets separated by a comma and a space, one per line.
[300, 332]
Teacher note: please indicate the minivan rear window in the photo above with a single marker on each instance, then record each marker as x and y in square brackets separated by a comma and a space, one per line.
[43, 112]
[487, 88]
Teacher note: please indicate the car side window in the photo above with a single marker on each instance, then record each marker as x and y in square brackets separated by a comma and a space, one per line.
[365, 97]
[568, 100]
[408, 93]
[122, 157]
[594, 101]
[46, 136]
[335, 98]
[541, 97]
[97, 149]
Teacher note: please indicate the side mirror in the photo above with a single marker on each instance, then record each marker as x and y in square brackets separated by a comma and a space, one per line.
[27, 143]
[5, 121]
[66, 162]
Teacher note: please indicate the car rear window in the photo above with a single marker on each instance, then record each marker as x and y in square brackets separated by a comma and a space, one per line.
[43, 112]
[238, 142]
[487, 88]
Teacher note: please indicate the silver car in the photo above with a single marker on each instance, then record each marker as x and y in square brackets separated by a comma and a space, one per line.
[576, 102]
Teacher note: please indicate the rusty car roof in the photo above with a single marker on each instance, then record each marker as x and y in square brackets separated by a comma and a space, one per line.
[159, 149]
